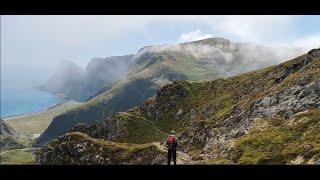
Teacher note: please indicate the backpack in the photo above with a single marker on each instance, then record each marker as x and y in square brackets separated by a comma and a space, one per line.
[171, 141]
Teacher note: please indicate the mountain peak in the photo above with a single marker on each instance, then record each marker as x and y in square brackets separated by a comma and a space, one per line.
[67, 65]
[210, 41]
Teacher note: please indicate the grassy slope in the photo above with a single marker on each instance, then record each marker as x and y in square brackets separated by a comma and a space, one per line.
[17, 156]
[280, 143]
[140, 130]
[10, 143]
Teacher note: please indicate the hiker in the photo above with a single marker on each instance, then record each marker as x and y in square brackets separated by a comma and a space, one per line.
[172, 144]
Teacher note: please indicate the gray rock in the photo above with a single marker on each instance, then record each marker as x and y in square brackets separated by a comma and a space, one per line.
[274, 101]
[288, 114]
[265, 102]
[179, 114]
[302, 81]
[193, 116]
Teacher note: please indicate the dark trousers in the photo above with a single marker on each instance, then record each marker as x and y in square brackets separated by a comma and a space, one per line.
[172, 153]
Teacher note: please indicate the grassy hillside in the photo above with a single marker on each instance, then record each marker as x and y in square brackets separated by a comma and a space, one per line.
[17, 156]
[9, 143]
[268, 116]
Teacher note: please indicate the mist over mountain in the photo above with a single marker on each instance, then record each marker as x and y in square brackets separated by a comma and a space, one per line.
[227, 57]
[138, 77]
[73, 82]
[220, 54]
[100, 71]
[67, 81]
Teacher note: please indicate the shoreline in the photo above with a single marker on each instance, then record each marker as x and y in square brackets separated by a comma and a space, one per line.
[62, 101]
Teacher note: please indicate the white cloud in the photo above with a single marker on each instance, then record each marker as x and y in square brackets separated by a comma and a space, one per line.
[255, 28]
[193, 36]
[308, 42]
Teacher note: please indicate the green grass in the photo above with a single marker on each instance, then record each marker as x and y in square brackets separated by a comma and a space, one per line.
[139, 129]
[191, 67]
[10, 143]
[17, 156]
[280, 144]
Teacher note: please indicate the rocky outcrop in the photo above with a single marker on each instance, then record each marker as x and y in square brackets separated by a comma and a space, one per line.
[289, 102]
[165, 100]
[79, 149]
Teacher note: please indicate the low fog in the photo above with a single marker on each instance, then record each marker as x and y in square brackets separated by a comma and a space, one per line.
[248, 56]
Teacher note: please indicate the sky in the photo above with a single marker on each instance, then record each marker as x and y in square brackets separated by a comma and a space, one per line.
[32, 47]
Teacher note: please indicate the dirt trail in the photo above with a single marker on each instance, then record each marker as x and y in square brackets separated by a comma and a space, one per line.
[182, 158]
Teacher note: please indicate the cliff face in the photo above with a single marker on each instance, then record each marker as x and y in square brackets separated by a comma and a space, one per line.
[268, 116]
[154, 67]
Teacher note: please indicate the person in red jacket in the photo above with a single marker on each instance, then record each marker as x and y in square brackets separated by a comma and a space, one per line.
[172, 144]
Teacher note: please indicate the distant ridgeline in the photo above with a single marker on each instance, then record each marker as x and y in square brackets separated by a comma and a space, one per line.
[119, 83]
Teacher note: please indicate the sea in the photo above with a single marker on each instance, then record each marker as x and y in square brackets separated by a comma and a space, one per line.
[20, 102]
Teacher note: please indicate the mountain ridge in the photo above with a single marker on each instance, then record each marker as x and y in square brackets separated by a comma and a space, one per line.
[156, 66]
[267, 116]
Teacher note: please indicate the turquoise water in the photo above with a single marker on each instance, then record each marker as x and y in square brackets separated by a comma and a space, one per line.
[18, 102]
